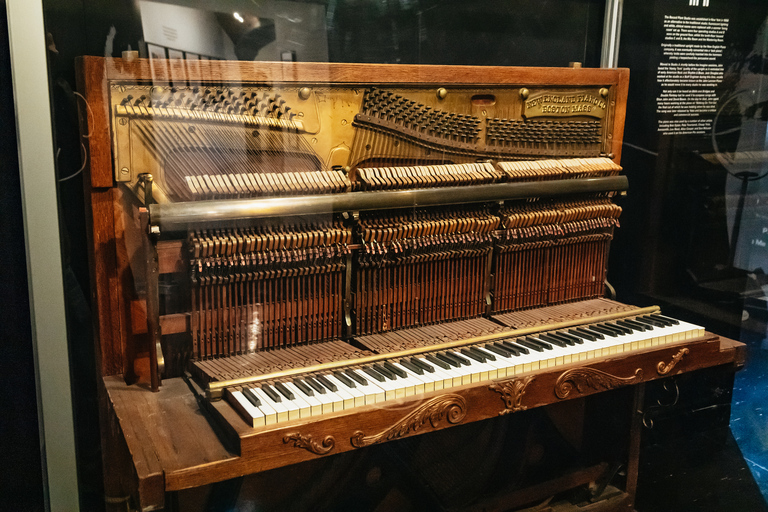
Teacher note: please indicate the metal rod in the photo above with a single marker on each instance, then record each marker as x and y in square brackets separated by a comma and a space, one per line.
[179, 216]
[609, 57]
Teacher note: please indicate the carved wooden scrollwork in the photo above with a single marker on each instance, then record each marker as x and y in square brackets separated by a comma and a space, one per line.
[512, 392]
[593, 378]
[306, 442]
[451, 407]
[664, 368]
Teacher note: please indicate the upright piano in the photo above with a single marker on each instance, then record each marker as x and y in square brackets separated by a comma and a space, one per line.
[297, 263]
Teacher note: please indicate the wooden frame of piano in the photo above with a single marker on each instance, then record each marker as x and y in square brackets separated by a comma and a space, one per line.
[140, 429]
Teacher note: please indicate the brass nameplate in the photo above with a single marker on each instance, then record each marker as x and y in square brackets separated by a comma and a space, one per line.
[550, 104]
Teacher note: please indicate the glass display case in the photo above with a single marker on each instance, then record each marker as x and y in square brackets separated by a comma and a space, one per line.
[367, 256]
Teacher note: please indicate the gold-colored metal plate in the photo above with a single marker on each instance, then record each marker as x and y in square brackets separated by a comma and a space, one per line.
[565, 104]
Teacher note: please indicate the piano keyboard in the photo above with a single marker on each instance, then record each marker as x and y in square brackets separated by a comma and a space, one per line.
[353, 385]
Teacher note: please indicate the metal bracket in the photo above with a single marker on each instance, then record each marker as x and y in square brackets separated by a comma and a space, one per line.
[152, 291]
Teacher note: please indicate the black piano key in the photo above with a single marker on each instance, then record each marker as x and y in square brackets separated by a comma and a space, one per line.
[607, 327]
[656, 321]
[571, 337]
[287, 393]
[645, 323]
[388, 374]
[603, 330]
[531, 345]
[356, 377]
[303, 387]
[472, 355]
[546, 341]
[499, 350]
[394, 369]
[325, 382]
[596, 334]
[621, 329]
[488, 356]
[271, 393]
[315, 385]
[520, 349]
[461, 359]
[635, 326]
[567, 341]
[582, 334]
[412, 367]
[546, 345]
[344, 379]
[506, 345]
[666, 319]
[423, 364]
[650, 321]
[432, 358]
[251, 397]
[373, 373]
[446, 359]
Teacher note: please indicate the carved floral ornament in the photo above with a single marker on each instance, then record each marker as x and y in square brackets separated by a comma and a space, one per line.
[512, 392]
[581, 378]
[451, 407]
[306, 442]
[662, 368]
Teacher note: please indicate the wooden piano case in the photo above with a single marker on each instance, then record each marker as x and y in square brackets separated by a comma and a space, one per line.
[350, 141]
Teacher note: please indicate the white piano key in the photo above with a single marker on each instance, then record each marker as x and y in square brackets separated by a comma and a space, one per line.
[444, 379]
[256, 415]
[270, 414]
[347, 399]
[304, 407]
[315, 406]
[330, 401]
[281, 411]
[412, 378]
[358, 397]
[389, 387]
[373, 392]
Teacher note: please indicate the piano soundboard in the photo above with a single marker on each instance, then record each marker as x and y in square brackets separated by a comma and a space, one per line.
[333, 256]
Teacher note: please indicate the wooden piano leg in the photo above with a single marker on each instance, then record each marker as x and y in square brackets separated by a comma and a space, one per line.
[635, 433]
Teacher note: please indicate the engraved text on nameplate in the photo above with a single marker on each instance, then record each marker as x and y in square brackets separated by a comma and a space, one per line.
[550, 104]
